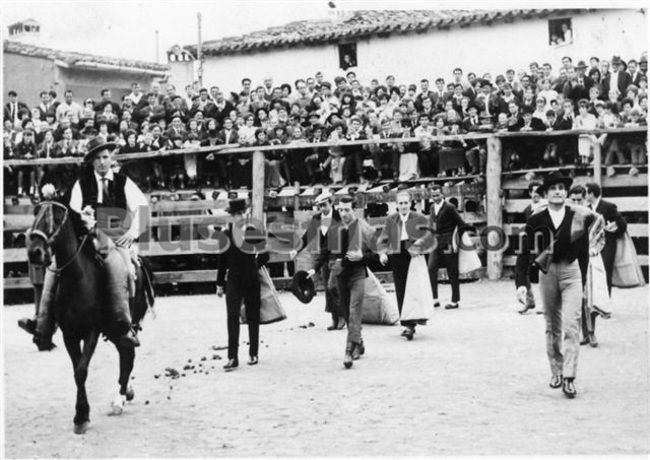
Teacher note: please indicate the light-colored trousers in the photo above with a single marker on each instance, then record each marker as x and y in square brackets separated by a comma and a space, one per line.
[561, 293]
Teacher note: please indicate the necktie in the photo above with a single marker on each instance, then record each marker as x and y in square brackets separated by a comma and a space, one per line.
[404, 235]
[106, 195]
[325, 224]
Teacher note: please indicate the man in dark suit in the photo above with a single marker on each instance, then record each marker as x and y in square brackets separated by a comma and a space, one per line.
[241, 263]
[618, 80]
[615, 227]
[444, 219]
[561, 234]
[404, 236]
[13, 108]
[316, 238]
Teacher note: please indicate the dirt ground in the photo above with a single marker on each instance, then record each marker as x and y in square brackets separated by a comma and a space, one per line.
[474, 381]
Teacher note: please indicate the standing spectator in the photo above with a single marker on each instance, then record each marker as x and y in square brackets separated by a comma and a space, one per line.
[13, 107]
[26, 149]
[69, 107]
[585, 121]
[618, 80]
[45, 105]
[106, 100]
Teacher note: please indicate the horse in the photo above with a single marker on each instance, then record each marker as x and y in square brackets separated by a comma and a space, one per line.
[78, 305]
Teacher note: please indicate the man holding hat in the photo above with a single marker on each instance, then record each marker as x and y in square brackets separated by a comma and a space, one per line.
[560, 234]
[241, 262]
[103, 198]
[323, 260]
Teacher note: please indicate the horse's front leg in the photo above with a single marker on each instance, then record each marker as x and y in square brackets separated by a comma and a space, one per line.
[80, 361]
[127, 358]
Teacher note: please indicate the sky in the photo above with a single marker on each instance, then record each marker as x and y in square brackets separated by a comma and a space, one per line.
[128, 29]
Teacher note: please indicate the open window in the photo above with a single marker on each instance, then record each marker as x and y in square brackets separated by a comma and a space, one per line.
[347, 55]
[560, 31]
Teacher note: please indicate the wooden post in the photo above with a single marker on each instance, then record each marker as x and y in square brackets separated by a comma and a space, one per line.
[598, 169]
[258, 186]
[494, 204]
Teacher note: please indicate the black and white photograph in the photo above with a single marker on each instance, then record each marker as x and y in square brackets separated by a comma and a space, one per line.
[324, 228]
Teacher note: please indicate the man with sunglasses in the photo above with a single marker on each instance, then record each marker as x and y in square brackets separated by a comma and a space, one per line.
[316, 237]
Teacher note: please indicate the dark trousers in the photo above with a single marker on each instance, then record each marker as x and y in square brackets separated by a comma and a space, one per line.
[399, 264]
[332, 303]
[444, 256]
[251, 297]
[608, 254]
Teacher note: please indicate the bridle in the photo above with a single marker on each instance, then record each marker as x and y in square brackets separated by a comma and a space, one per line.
[46, 212]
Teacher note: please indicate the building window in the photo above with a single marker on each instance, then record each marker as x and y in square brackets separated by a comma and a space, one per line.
[560, 32]
[347, 55]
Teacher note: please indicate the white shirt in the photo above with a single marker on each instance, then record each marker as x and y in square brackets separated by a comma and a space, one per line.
[135, 200]
[324, 228]
[613, 81]
[557, 216]
[437, 206]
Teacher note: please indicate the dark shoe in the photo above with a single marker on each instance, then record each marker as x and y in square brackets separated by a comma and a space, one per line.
[585, 341]
[231, 365]
[341, 324]
[334, 326]
[569, 389]
[253, 361]
[409, 334]
[130, 339]
[436, 305]
[556, 381]
[28, 325]
[451, 306]
[526, 308]
[592, 341]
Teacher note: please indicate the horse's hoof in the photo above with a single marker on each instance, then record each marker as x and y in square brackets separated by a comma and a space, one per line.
[81, 428]
[130, 394]
[117, 405]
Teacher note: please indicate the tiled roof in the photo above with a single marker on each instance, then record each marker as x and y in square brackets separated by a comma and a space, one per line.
[72, 58]
[363, 24]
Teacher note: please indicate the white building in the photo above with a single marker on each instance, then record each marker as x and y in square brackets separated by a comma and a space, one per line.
[416, 44]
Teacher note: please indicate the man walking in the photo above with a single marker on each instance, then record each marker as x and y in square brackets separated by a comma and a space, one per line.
[615, 227]
[317, 235]
[241, 263]
[564, 233]
[403, 237]
[354, 242]
[444, 219]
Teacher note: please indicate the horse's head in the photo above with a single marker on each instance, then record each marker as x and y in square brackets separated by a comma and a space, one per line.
[50, 217]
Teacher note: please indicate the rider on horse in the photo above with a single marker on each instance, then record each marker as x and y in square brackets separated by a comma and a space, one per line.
[103, 198]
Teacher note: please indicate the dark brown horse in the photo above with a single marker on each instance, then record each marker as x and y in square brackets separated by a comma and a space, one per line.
[79, 300]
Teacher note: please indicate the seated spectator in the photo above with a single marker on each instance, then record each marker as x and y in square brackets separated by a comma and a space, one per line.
[636, 143]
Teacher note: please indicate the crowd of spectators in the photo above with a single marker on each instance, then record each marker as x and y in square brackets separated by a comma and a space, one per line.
[601, 94]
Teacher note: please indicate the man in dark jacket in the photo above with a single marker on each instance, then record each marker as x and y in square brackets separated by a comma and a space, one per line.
[615, 227]
[444, 219]
[561, 235]
[316, 239]
[241, 263]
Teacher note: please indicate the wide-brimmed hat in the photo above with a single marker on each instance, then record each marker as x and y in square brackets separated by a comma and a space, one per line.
[97, 144]
[616, 60]
[236, 205]
[553, 178]
[581, 65]
[303, 287]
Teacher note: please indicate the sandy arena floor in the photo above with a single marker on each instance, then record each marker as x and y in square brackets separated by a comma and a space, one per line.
[474, 381]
